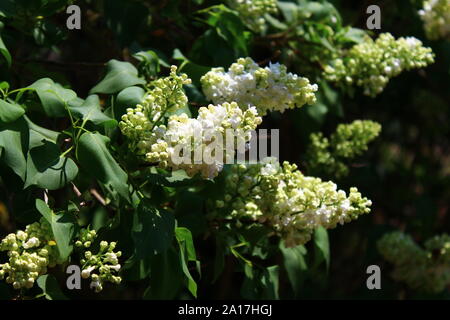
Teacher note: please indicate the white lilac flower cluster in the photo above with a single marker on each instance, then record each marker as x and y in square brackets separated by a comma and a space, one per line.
[252, 12]
[183, 137]
[30, 253]
[190, 136]
[329, 156]
[426, 269]
[371, 64]
[100, 267]
[281, 197]
[268, 89]
[435, 15]
[166, 95]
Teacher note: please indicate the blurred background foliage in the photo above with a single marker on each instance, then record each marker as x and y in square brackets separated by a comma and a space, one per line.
[405, 173]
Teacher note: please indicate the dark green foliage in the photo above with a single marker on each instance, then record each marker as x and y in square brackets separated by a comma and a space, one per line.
[63, 157]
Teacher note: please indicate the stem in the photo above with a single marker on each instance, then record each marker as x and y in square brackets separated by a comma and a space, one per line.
[66, 152]
[97, 196]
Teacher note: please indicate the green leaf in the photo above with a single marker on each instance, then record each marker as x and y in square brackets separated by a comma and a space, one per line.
[127, 98]
[100, 218]
[260, 283]
[153, 230]
[250, 285]
[10, 112]
[321, 247]
[149, 63]
[90, 110]
[295, 265]
[39, 134]
[289, 10]
[119, 75]
[50, 287]
[330, 98]
[166, 276]
[318, 111]
[47, 169]
[318, 11]
[94, 157]
[270, 283]
[22, 135]
[276, 23]
[184, 237]
[175, 178]
[4, 51]
[14, 140]
[229, 26]
[187, 253]
[53, 96]
[195, 95]
[352, 35]
[4, 85]
[63, 227]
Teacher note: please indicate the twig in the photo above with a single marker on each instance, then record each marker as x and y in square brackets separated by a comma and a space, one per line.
[46, 196]
[98, 196]
[75, 190]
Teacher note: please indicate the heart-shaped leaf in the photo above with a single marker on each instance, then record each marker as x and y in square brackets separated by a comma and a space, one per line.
[127, 98]
[119, 75]
[47, 169]
[95, 158]
[53, 96]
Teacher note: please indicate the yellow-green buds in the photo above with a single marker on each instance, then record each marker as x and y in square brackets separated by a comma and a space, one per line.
[329, 156]
[281, 197]
[252, 12]
[435, 15]
[426, 269]
[371, 64]
[30, 253]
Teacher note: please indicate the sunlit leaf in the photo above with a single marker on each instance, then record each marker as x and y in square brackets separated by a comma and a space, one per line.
[63, 227]
[94, 157]
[119, 75]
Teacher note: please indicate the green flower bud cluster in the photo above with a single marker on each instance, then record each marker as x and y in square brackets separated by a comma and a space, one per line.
[435, 15]
[281, 197]
[329, 156]
[102, 266]
[371, 64]
[252, 12]
[30, 252]
[268, 89]
[426, 269]
[197, 135]
[166, 95]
